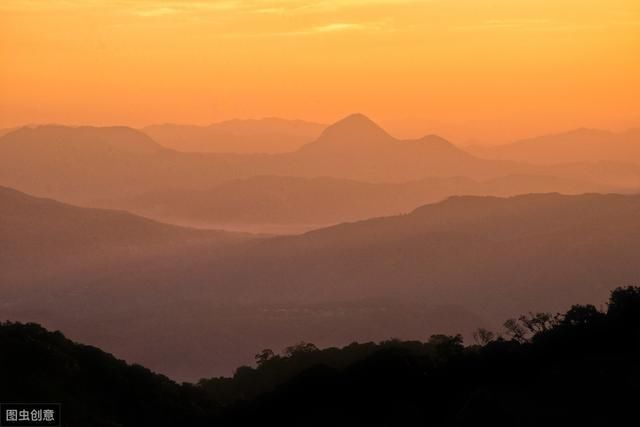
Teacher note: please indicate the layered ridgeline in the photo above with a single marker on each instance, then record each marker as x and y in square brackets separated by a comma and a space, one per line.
[86, 164]
[44, 242]
[188, 309]
[573, 369]
[282, 204]
[580, 145]
[268, 135]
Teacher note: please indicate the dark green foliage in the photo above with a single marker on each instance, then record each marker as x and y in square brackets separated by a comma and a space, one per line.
[581, 368]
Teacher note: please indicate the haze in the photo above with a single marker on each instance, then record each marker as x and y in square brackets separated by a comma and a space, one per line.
[186, 183]
[465, 69]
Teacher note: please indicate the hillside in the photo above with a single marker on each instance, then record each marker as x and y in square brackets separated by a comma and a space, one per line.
[269, 135]
[43, 238]
[5, 131]
[357, 148]
[580, 145]
[81, 164]
[569, 368]
[439, 251]
[573, 368]
[450, 266]
[85, 140]
[85, 165]
[291, 203]
[93, 387]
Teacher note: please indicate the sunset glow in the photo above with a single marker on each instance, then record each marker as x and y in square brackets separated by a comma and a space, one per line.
[501, 68]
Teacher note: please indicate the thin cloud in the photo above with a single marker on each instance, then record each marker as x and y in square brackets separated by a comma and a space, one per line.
[156, 8]
[339, 26]
[173, 8]
[327, 29]
[536, 25]
[160, 11]
[506, 24]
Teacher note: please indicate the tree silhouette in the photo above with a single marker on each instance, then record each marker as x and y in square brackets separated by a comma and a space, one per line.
[582, 315]
[264, 356]
[624, 303]
[483, 336]
[538, 322]
[575, 369]
[300, 348]
[515, 330]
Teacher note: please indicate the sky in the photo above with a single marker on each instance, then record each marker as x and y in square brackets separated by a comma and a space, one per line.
[472, 70]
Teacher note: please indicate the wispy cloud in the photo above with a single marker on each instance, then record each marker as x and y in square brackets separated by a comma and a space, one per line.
[164, 8]
[143, 9]
[146, 8]
[159, 11]
[505, 23]
[338, 26]
[538, 25]
[327, 29]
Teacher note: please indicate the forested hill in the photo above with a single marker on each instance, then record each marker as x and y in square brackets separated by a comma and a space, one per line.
[578, 368]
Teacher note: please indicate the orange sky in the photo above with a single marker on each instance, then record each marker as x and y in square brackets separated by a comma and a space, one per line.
[489, 70]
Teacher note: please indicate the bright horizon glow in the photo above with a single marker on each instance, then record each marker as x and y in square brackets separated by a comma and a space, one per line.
[462, 68]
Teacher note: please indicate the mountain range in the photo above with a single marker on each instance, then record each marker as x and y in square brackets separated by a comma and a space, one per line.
[268, 135]
[580, 145]
[85, 165]
[391, 253]
[281, 204]
[186, 302]
[43, 239]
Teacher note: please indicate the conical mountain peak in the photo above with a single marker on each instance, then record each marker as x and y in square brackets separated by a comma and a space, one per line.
[355, 129]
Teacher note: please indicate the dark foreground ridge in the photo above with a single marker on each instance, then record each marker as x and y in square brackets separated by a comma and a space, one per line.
[579, 368]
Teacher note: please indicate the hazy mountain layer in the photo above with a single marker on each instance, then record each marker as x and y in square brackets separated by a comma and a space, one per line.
[269, 135]
[266, 201]
[581, 145]
[43, 239]
[188, 308]
[82, 165]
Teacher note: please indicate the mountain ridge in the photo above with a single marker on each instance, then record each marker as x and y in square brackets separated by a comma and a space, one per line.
[79, 168]
[577, 145]
[484, 258]
[321, 201]
[105, 138]
[266, 135]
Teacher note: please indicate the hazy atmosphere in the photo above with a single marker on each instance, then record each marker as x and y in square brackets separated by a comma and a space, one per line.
[466, 69]
[350, 212]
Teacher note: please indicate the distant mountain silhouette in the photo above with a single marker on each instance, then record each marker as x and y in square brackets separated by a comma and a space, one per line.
[357, 148]
[491, 238]
[7, 130]
[263, 201]
[83, 165]
[83, 139]
[79, 164]
[269, 135]
[61, 239]
[580, 145]
[462, 263]
[355, 131]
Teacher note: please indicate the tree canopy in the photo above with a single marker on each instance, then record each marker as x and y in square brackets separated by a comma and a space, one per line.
[579, 367]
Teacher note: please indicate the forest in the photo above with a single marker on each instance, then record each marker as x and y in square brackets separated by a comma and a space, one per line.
[581, 367]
